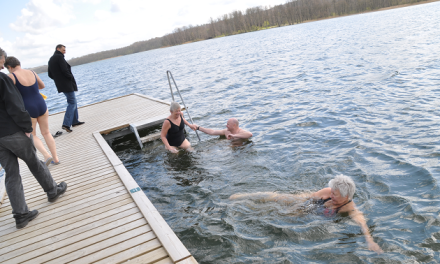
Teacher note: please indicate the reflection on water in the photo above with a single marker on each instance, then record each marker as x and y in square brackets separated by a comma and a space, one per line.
[357, 95]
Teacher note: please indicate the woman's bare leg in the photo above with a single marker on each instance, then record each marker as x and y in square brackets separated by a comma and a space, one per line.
[271, 197]
[37, 142]
[43, 121]
[186, 145]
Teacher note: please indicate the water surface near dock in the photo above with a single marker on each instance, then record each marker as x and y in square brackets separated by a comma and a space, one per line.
[357, 95]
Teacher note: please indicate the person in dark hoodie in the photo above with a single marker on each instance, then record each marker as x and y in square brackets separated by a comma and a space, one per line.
[60, 71]
[16, 141]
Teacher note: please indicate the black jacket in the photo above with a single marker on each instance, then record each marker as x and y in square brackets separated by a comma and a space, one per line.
[59, 70]
[13, 115]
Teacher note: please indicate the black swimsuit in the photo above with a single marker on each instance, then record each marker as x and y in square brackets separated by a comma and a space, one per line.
[175, 135]
[328, 211]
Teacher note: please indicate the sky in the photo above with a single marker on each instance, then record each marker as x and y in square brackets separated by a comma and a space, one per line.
[30, 29]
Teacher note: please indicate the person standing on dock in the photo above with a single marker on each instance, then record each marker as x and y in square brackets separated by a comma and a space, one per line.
[232, 131]
[60, 71]
[16, 141]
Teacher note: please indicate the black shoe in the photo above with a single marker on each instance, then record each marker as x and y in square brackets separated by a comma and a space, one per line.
[22, 220]
[67, 128]
[57, 134]
[78, 124]
[61, 188]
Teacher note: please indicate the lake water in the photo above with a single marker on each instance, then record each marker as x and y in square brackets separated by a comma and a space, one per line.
[356, 95]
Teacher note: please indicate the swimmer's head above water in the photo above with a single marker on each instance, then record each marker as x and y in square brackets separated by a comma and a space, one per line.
[344, 184]
[337, 198]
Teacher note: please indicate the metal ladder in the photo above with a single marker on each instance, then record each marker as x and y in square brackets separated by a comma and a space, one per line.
[169, 74]
[172, 96]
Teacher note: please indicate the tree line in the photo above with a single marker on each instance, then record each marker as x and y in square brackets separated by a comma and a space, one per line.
[251, 19]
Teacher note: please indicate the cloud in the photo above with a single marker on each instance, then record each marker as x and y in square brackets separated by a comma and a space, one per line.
[41, 15]
[102, 14]
[115, 7]
[95, 2]
[103, 25]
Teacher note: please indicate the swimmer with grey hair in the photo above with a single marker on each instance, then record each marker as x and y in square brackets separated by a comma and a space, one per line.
[333, 200]
[232, 130]
[172, 133]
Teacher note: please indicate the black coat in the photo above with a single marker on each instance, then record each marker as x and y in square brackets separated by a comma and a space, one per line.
[59, 70]
[13, 115]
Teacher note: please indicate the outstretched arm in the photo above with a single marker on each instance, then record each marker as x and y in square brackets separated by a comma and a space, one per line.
[192, 126]
[212, 131]
[242, 134]
[358, 217]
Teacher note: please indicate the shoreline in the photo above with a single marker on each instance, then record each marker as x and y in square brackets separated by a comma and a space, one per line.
[270, 27]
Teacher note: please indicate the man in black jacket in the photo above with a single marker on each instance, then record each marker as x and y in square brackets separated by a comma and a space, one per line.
[16, 142]
[59, 70]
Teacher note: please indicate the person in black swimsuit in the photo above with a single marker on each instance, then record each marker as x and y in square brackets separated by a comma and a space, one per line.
[29, 85]
[172, 133]
[330, 201]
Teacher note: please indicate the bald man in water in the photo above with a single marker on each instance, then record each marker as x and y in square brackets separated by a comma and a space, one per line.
[232, 131]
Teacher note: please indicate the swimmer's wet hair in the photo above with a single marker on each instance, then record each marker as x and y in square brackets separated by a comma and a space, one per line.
[174, 106]
[344, 184]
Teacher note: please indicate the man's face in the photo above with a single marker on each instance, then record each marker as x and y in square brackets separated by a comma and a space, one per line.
[62, 50]
[230, 125]
[2, 62]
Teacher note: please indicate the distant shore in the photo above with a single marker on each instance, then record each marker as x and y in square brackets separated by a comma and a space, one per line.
[160, 44]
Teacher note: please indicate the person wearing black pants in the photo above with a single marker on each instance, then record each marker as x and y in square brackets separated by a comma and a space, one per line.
[16, 142]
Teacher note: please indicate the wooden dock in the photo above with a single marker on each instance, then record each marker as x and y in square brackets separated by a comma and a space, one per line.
[104, 217]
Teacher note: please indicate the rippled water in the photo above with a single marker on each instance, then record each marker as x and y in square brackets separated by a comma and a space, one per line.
[357, 95]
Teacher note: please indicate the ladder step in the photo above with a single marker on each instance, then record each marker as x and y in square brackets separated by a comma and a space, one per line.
[150, 137]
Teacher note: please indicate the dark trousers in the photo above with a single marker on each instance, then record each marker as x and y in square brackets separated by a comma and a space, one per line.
[15, 146]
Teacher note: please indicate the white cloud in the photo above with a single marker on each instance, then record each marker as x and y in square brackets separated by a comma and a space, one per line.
[102, 14]
[45, 23]
[95, 2]
[42, 15]
[115, 7]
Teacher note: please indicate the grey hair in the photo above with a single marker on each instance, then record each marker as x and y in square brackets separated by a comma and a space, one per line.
[344, 184]
[174, 106]
[3, 53]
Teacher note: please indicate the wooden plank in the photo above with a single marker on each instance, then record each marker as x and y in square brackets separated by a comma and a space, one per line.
[70, 240]
[113, 189]
[108, 130]
[190, 260]
[167, 237]
[152, 251]
[42, 198]
[150, 137]
[73, 211]
[112, 157]
[107, 247]
[165, 261]
[89, 214]
[75, 221]
[73, 181]
[153, 99]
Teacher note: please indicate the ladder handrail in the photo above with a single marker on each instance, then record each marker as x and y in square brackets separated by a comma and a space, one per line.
[172, 96]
